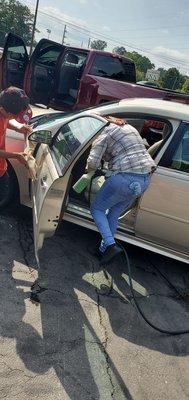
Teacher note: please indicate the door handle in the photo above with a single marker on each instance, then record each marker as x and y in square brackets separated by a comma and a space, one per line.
[44, 178]
[43, 181]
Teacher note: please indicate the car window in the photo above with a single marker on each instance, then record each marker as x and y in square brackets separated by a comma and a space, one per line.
[151, 129]
[16, 53]
[180, 158]
[113, 67]
[72, 135]
[74, 58]
[16, 49]
[49, 56]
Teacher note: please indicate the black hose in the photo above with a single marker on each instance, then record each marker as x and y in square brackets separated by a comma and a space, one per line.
[181, 332]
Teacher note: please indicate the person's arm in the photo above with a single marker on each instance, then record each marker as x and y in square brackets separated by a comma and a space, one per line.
[21, 128]
[98, 149]
[19, 156]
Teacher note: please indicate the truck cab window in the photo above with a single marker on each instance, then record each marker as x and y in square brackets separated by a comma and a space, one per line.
[49, 57]
[113, 67]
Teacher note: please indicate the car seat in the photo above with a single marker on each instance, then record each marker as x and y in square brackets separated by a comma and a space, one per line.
[156, 145]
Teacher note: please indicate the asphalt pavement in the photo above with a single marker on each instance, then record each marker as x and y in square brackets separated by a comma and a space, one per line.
[85, 340]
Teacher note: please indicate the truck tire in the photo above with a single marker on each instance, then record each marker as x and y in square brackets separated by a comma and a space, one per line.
[9, 189]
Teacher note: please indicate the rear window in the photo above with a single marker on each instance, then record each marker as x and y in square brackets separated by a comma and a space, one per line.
[113, 67]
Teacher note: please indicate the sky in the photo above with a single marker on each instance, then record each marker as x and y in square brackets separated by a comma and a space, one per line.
[157, 29]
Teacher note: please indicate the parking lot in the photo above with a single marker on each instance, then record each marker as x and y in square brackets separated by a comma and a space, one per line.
[85, 340]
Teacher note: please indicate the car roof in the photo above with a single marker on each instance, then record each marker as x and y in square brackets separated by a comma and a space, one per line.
[142, 106]
[163, 108]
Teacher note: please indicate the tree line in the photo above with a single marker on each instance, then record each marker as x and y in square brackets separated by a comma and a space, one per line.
[17, 18]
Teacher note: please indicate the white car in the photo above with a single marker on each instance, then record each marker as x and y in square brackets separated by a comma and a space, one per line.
[159, 221]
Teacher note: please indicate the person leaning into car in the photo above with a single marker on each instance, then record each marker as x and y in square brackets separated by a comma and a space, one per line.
[129, 173]
[13, 101]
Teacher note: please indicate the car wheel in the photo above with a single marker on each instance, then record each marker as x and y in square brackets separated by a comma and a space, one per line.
[9, 190]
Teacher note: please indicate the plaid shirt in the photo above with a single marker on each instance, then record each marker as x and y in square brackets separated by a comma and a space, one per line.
[122, 147]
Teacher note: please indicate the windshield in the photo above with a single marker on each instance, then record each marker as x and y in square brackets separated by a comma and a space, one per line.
[55, 116]
[45, 118]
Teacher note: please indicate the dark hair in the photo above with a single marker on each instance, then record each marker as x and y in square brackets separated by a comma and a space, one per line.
[13, 100]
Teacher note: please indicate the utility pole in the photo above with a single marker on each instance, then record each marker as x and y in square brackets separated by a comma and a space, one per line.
[64, 34]
[34, 25]
[49, 32]
[89, 43]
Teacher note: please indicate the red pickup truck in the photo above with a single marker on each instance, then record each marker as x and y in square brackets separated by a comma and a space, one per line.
[69, 78]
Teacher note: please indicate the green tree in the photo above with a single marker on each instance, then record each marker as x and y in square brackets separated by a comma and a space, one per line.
[120, 50]
[142, 63]
[140, 76]
[162, 74]
[98, 44]
[182, 81]
[185, 87]
[171, 79]
[17, 18]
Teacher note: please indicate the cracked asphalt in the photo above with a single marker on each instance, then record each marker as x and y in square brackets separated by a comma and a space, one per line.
[85, 340]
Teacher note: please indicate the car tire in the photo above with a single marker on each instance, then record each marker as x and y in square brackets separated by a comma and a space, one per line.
[9, 189]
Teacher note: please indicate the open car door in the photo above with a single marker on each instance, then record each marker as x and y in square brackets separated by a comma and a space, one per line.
[55, 161]
[13, 62]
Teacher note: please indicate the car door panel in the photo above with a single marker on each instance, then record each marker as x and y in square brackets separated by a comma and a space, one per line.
[46, 176]
[13, 62]
[163, 214]
[42, 71]
[49, 190]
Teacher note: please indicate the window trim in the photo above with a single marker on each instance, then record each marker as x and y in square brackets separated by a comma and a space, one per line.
[167, 157]
[134, 115]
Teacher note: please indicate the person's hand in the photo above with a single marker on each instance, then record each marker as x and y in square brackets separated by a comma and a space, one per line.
[117, 121]
[21, 157]
[26, 129]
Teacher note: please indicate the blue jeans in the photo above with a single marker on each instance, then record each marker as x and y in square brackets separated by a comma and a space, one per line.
[115, 196]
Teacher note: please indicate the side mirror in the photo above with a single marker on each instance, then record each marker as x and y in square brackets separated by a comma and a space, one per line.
[42, 136]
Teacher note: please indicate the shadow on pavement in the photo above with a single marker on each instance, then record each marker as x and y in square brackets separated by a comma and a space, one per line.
[78, 290]
[70, 344]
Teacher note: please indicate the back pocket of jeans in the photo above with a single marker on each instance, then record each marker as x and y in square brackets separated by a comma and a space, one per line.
[135, 187]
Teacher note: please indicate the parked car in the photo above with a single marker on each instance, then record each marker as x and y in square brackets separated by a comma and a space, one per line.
[70, 78]
[160, 219]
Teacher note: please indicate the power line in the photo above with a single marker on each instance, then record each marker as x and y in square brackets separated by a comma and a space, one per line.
[152, 28]
[96, 35]
[114, 40]
[162, 34]
[80, 28]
